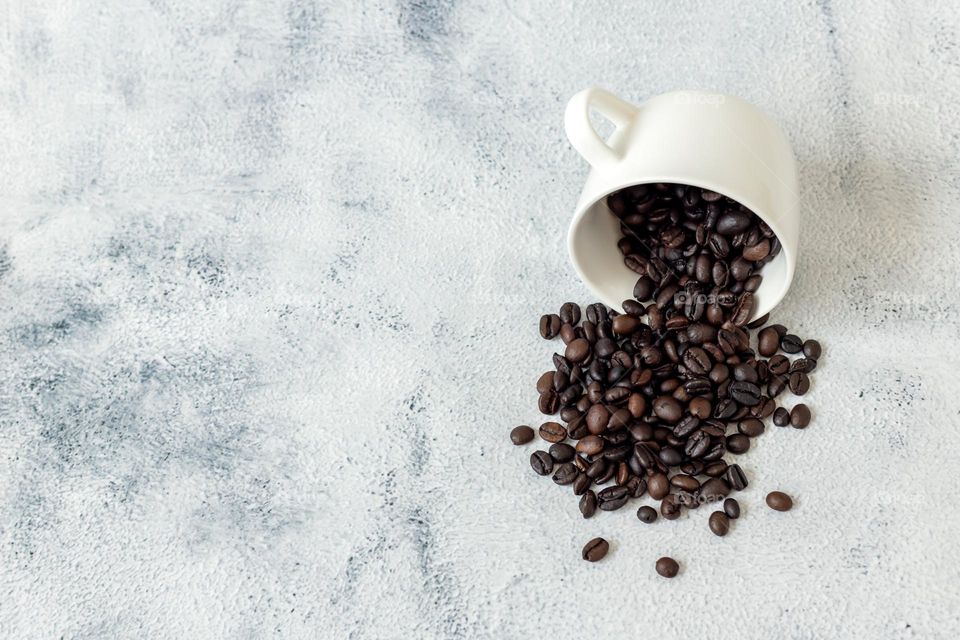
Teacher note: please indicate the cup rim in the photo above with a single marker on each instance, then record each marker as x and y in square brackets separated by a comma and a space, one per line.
[787, 251]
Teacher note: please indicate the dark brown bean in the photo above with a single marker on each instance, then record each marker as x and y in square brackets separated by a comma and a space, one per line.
[595, 550]
[667, 567]
[779, 501]
[719, 523]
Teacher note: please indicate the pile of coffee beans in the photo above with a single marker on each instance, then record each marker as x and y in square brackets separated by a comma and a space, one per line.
[653, 400]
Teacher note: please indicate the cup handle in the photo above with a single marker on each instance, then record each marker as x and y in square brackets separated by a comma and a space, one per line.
[580, 131]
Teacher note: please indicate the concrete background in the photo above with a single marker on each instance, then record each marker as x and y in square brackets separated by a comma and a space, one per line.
[270, 276]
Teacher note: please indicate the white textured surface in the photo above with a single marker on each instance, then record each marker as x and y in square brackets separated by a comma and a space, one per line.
[269, 283]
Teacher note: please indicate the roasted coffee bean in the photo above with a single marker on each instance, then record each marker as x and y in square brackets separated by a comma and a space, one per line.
[725, 409]
[637, 405]
[616, 395]
[768, 342]
[562, 452]
[692, 467]
[745, 373]
[716, 469]
[697, 445]
[776, 385]
[645, 456]
[746, 393]
[617, 453]
[643, 290]
[590, 445]
[588, 504]
[670, 456]
[597, 468]
[685, 483]
[549, 326]
[811, 349]
[612, 498]
[779, 501]
[799, 383]
[778, 365]
[700, 408]
[597, 418]
[736, 478]
[751, 427]
[781, 417]
[719, 523]
[521, 435]
[800, 416]
[687, 425]
[733, 222]
[553, 432]
[577, 351]
[658, 486]
[667, 567]
[738, 443]
[667, 409]
[625, 325]
[791, 343]
[570, 313]
[545, 382]
[636, 486]
[670, 507]
[697, 361]
[803, 365]
[541, 462]
[743, 310]
[595, 550]
[549, 402]
[647, 514]
[581, 484]
[566, 473]
[619, 419]
[714, 489]
[732, 508]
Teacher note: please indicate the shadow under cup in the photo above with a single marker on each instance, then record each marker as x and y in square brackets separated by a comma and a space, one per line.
[592, 244]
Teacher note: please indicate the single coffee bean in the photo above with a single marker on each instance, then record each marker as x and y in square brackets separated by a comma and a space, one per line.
[549, 326]
[776, 385]
[746, 393]
[667, 567]
[781, 417]
[716, 469]
[738, 443]
[719, 523]
[521, 435]
[791, 343]
[751, 427]
[779, 501]
[566, 473]
[697, 444]
[800, 416]
[667, 409]
[636, 486]
[581, 484]
[714, 489]
[597, 418]
[553, 432]
[658, 486]
[803, 365]
[732, 508]
[541, 462]
[643, 290]
[625, 325]
[570, 313]
[685, 482]
[562, 452]
[612, 498]
[778, 365]
[670, 456]
[595, 550]
[799, 383]
[577, 351]
[597, 468]
[670, 507]
[647, 514]
[588, 504]
[591, 445]
[811, 349]
[545, 382]
[549, 402]
[736, 478]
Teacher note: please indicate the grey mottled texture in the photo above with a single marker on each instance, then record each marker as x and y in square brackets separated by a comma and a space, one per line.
[269, 282]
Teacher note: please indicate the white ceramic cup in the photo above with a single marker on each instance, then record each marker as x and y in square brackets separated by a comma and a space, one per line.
[708, 140]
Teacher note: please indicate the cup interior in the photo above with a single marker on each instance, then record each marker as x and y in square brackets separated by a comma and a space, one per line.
[592, 243]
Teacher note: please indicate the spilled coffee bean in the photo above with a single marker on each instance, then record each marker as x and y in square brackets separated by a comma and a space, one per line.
[657, 398]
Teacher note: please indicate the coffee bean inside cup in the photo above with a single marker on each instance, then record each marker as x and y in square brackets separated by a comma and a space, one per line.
[658, 398]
